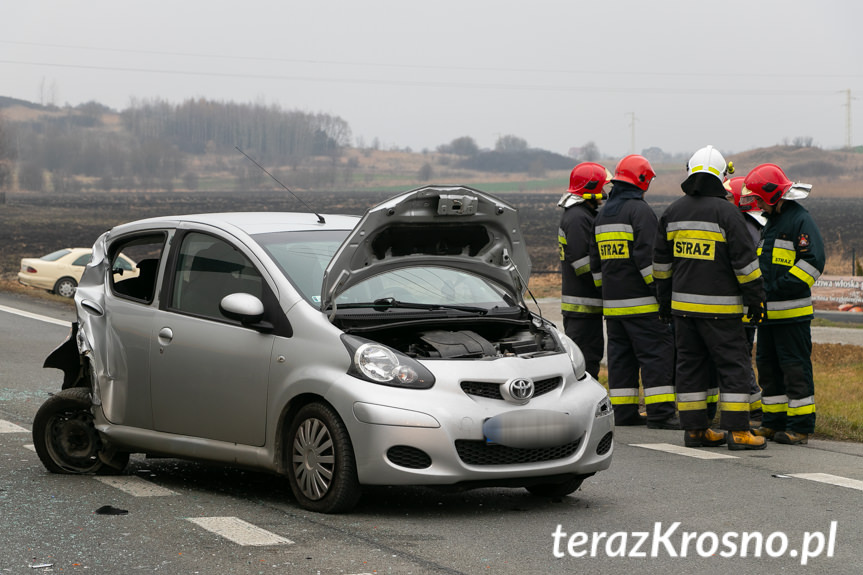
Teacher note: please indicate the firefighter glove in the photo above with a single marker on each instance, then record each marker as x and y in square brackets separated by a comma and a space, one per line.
[755, 313]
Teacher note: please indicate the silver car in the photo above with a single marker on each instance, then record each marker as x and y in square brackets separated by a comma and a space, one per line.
[392, 349]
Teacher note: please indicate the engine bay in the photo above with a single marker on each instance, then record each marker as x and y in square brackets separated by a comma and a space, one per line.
[485, 339]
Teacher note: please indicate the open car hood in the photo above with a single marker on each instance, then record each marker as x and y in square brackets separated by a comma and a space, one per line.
[448, 226]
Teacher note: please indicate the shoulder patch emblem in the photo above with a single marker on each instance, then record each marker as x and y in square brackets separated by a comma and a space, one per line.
[803, 241]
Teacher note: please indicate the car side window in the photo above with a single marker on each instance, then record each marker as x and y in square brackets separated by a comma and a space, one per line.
[135, 266]
[83, 260]
[208, 269]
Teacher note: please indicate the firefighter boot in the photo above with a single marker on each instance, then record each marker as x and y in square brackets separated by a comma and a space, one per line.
[738, 440]
[703, 438]
[791, 438]
[764, 432]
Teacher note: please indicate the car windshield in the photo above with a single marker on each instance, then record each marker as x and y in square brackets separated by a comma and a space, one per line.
[303, 256]
[54, 256]
[425, 286]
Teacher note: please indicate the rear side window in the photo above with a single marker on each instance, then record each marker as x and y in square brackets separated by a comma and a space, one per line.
[135, 266]
[208, 269]
[83, 260]
[54, 256]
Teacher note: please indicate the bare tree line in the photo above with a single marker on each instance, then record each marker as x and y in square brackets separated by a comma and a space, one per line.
[153, 144]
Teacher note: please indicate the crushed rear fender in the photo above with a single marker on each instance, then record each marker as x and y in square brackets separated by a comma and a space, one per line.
[66, 358]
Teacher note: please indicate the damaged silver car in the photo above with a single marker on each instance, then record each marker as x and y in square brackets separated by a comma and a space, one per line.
[392, 349]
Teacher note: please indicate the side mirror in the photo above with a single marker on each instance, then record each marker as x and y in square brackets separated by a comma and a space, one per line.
[242, 307]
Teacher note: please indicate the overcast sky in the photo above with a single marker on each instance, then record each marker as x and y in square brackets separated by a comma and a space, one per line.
[738, 74]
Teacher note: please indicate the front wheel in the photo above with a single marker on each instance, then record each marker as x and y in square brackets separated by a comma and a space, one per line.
[66, 439]
[322, 468]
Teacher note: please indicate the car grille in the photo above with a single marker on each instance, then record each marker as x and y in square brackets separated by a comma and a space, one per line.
[491, 390]
[478, 452]
[604, 444]
[410, 457]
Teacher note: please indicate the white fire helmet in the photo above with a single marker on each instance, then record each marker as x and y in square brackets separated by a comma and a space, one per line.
[708, 159]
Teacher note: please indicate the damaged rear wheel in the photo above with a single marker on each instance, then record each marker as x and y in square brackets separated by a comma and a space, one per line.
[66, 439]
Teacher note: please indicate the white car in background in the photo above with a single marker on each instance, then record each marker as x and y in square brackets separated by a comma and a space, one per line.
[59, 272]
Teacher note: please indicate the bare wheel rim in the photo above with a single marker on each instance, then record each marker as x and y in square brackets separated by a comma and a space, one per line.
[72, 441]
[314, 458]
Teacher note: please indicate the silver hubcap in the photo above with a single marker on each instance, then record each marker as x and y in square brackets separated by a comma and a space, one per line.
[314, 459]
[66, 289]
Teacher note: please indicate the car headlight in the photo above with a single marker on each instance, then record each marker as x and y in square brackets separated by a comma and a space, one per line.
[575, 356]
[603, 408]
[378, 363]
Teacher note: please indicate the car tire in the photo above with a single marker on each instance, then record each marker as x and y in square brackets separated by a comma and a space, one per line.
[558, 489]
[322, 468]
[66, 439]
[65, 287]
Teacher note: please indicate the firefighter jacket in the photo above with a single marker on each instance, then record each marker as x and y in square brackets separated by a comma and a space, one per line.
[705, 262]
[792, 257]
[754, 225]
[579, 296]
[621, 253]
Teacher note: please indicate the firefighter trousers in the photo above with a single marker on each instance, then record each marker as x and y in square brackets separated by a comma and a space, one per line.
[784, 359]
[712, 350]
[754, 390]
[586, 331]
[646, 345]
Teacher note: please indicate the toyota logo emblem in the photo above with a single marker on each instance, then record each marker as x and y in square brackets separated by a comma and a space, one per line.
[521, 389]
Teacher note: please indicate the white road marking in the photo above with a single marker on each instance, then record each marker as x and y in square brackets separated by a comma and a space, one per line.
[30, 446]
[135, 486]
[8, 427]
[687, 451]
[36, 316]
[831, 479]
[239, 531]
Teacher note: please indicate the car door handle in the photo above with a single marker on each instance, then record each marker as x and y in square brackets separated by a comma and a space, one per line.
[165, 335]
[93, 307]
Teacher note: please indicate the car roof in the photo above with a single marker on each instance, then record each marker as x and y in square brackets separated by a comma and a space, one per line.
[250, 222]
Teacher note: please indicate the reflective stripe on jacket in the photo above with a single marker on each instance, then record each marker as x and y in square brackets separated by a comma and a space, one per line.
[791, 254]
[579, 295]
[705, 260]
[621, 254]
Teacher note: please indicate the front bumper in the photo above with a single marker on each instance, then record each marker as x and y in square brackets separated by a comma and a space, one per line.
[440, 436]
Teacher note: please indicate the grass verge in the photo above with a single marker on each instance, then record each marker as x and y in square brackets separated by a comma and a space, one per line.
[838, 391]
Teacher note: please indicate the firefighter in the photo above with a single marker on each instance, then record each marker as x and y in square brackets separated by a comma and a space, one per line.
[755, 221]
[707, 270]
[792, 258]
[621, 263]
[581, 300]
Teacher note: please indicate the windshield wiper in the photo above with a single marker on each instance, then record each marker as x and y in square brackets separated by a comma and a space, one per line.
[390, 302]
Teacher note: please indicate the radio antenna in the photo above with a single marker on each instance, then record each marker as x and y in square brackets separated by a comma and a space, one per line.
[320, 217]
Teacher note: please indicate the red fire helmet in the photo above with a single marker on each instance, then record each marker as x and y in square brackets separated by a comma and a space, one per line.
[635, 170]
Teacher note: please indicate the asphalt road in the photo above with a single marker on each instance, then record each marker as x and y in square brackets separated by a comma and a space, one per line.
[785, 493]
